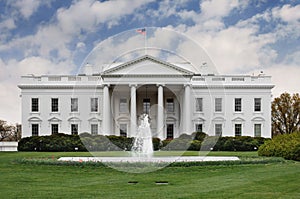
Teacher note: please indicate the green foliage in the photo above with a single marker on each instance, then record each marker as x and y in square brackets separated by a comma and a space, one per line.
[201, 141]
[88, 142]
[178, 144]
[83, 142]
[286, 146]
[241, 143]
[157, 144]
[199, 136]
[51, 161]
[56, 142]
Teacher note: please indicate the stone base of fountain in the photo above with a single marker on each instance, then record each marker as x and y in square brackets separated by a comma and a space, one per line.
[168, 159]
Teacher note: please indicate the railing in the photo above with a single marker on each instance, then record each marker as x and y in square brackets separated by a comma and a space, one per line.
[246, 79]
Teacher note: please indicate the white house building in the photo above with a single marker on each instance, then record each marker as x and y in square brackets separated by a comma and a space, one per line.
[177, 98]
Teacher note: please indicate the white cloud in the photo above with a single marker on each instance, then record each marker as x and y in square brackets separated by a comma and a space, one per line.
[10, 74]
[287, 13]
[69, 24]
[88, 15]
[27, 7]
[285, 78]
[217, 8]
[80, 45]
[8, 24]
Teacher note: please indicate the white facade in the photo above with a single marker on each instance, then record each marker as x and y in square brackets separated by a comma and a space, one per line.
[178, 99]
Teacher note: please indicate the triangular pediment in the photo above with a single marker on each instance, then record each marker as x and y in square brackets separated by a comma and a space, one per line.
[147, 65]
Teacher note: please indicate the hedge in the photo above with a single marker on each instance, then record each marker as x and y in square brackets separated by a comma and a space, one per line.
[56, 142]
[88, 142]
[286, 146]
[201, 141]
[82, 142]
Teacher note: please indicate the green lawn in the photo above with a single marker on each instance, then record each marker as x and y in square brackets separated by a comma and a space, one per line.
[274, 180]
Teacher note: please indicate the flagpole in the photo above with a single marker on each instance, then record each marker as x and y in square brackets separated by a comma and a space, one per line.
[143, 32]
[145, 41]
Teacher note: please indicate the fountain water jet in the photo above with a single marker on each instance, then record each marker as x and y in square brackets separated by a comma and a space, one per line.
[142, 145]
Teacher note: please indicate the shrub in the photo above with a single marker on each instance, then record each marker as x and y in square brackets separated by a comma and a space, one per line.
[286, 146]
[56, 142]
[157, 144]
[199, 136]
[241, 143]
[120, 142]
[178, 144]
[195, 145]
[208, 143]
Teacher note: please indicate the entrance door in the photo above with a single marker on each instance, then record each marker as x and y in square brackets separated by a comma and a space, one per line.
[170, 131]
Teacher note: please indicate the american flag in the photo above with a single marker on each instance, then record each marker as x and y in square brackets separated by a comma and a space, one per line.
[141, 31]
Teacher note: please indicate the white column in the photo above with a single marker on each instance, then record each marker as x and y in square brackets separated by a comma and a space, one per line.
[160, 113]
[133, 111]
[186, 118]
[106, 111]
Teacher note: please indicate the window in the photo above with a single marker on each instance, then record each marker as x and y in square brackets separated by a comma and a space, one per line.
[146, 105]
[199, 104]
[218, 129]
[94, 104]
[257, 104]
[54, 104]
[218, 104]
[74, 129]
[123, 107]
[170, 105]
[199, 128]
[74, 104]
[35, 129]
[238, 104]
[34, 104]
[94, 129]
[123, 130]
[170, 131]
[257, 130]
[54, 128]
[238, 129]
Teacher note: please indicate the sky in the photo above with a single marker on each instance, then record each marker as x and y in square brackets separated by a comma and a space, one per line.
[55, 37]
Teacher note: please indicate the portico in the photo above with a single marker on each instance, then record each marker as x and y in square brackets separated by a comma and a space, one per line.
[124, 104]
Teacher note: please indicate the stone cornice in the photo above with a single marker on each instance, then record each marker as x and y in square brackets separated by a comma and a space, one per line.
[146, 75]
[59, 86]
[235, 86]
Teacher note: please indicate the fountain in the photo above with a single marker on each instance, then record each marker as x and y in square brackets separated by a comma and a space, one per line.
[142, 145]
[142, 159]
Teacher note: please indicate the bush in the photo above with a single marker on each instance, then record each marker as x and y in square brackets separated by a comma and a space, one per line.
[157, 144]
[286, 146]
[195, 145]
[121, 143]
[57, 142]
[85, 141]
[200, 136]
[241, 143]
[177, 144]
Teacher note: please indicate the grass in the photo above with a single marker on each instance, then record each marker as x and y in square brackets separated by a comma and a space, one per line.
[272, 180]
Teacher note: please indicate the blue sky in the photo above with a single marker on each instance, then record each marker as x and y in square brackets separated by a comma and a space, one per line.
[54, 36]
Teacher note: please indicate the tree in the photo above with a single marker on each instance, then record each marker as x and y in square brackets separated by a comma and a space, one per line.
[286, 114]
[7, 132]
